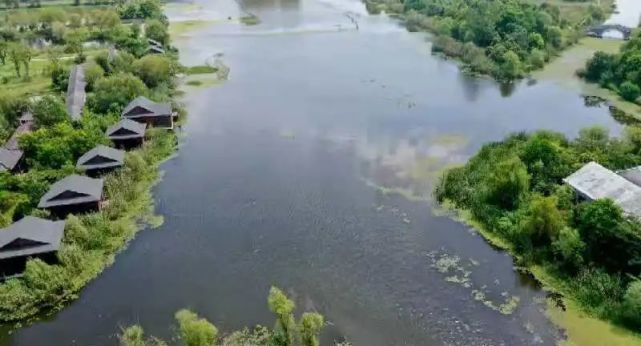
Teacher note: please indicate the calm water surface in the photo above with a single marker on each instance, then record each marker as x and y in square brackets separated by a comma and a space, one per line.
[275, 182]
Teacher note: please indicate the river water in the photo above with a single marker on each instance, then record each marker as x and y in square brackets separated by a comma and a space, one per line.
[275, 183]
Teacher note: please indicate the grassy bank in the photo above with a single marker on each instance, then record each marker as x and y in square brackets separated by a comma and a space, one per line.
[91, 241]
[587, 252]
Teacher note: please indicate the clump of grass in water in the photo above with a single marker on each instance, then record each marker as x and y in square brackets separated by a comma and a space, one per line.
[459, 273]
[200, 69]
[194, 83]
[250, 20]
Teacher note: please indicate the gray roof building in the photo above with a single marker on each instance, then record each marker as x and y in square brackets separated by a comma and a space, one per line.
[142, 107]
[594, 181]
[12, 143]
[31, 236]
[126, 129]
[26, 117]
[632, 174]
[155, 49]
[154, 42]
[76, 95]
[101, 157]
[9, 159]
[74, 189]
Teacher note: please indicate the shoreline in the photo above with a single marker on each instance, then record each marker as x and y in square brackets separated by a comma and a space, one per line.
[579, 327]
[131, 186]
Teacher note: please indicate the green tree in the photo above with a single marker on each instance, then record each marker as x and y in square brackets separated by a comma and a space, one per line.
[280, 305]
[507, 184]
[154, 70]
[157, 30]
[93, 72]
[632, 304]
[629, 91]
[569, 248]
[21, 56]
[544, 220]
[598, 65]
[48, 111]
[511, 67]
[195, 331]
[114, 92]
[4, 51]
[75, 40]
[310, 326]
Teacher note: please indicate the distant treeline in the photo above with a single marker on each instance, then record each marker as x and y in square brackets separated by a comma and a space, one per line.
[502, 38]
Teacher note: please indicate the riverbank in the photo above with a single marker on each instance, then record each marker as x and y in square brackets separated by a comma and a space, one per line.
[500, 39]
[528, 213]
[92, 241]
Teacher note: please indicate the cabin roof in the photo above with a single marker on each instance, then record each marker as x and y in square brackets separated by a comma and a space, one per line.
[26, 117]
[594, 181]
[155, 109]
[632, 174]
[112, 158]
[9, 159]
[155, 49]
[154, 42]
[133, 128]
[82, 190]
[40, 236]
[76, 92]
[12, 143]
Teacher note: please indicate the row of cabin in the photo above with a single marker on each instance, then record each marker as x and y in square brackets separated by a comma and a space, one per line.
[32, 236]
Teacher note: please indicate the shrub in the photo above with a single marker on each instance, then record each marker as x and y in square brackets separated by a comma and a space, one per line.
[629, 91]
[113, 93]
[49, 111]
[195, 331]
[632, 304]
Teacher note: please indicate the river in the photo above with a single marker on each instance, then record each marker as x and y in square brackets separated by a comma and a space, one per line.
[277, 182]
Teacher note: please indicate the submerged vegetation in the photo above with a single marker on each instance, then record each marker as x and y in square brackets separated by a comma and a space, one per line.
[193, 330]
[113, 79]
[590, 251]
[505, 39]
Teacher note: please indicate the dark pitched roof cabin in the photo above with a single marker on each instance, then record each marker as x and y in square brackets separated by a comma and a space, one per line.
[73, 190]
[632, 174]
[126, 129]
[153, 42]
[30, 236]
[9, 159]
[12, 143]
[101, 157]
[152, 113]
[153, 49]
[27, 117]
[76, 96]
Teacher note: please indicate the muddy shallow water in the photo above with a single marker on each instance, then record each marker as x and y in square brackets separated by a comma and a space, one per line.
[276, 183]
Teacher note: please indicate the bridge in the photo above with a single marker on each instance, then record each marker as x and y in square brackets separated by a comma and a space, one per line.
[600, 30]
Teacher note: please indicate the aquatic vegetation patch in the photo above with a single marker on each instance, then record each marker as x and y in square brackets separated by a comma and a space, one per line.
[250, 20]
[200, 69]
[459, 272]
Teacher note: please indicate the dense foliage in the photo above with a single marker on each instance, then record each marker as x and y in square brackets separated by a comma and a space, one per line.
[619, 72]
[502, 38]
[514, 189]
[196, 331]
[55, 144]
